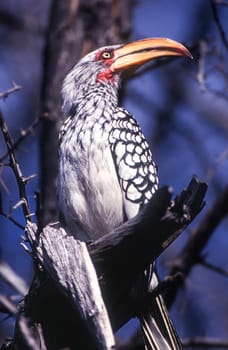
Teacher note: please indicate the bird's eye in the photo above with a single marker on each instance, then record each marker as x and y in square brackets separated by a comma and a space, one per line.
[106, 55]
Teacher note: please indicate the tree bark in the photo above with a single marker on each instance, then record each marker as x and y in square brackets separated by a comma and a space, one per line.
[119, 257]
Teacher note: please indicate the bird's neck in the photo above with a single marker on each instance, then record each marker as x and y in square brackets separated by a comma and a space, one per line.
[90, 114]
[97, 100]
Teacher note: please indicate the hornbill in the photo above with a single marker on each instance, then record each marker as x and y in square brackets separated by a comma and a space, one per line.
[106, 169]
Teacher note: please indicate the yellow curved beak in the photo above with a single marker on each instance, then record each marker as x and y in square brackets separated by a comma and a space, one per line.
[137, 53]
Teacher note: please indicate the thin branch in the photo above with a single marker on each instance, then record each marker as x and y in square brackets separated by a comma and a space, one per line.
[191, 253]
[9, 216]
[38, 211]
[201, 65]
[164, 285]
[2, 183]
[30, 340]
[7, 306]
[13, 89]
[214, 268]
[21, 181]
[218, 23]
[23, 134]
[11, 278]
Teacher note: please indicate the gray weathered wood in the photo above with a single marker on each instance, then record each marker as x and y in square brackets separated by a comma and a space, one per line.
[65, 288]
[68, 262]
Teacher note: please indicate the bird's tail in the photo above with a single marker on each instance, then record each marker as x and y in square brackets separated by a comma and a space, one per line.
[157, 328]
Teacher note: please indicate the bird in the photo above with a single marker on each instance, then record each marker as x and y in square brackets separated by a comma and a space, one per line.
[107, 172]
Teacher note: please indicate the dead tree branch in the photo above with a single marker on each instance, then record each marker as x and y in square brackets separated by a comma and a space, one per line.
[218, 23]
[24, 133]
[191, 253]
[13, 89]
[11, 278]
[212, 267]
[7, 306]
[31, 338]
[203, 50]
[9, 216]
[119, 257]
[21, 180]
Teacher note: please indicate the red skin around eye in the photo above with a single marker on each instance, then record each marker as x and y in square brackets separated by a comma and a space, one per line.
[99, 57]
[106, 74]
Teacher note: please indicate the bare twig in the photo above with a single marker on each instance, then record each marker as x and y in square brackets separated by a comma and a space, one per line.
[2, 184]
[201, 65]
[13, 89]
[214, 268]
[11, 278]
[164, 285]
[30, 340]
[9, 216]
[7, 306]
[21, 181]
[38, 210]
[23, 134]
[191, 253]
[218, 23]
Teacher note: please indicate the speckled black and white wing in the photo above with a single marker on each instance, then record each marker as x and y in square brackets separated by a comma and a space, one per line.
[137, 172]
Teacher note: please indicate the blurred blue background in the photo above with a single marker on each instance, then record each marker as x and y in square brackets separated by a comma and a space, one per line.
[185, 121]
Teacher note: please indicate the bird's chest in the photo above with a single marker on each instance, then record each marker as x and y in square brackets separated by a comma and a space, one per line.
[89, 181]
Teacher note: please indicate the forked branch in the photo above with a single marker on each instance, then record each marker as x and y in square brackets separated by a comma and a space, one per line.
[21, 181]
